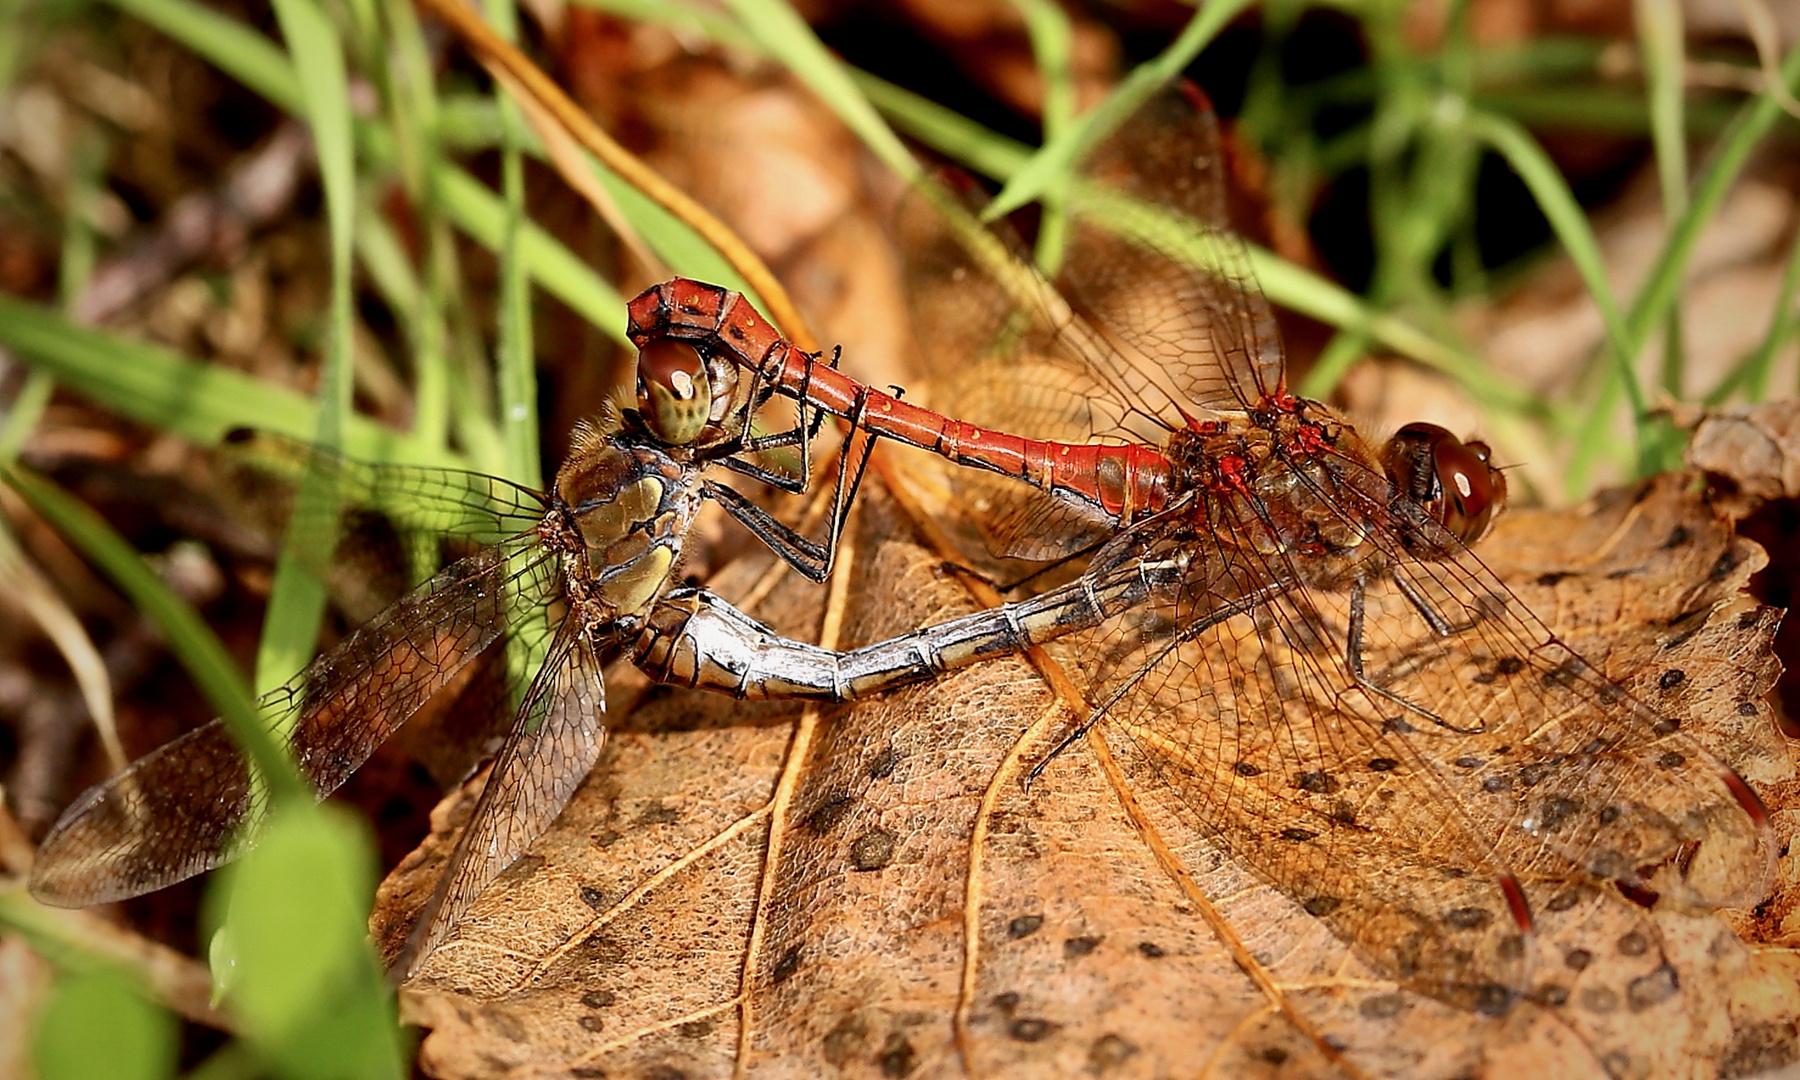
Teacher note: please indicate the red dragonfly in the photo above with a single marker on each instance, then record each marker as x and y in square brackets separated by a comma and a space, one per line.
[1315, 664]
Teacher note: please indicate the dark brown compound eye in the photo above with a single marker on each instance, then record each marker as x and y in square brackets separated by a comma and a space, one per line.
[1455, 481]
[674, 391]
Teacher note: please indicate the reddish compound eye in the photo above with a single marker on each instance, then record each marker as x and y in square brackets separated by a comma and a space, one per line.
[674, 392]
[1455, 481]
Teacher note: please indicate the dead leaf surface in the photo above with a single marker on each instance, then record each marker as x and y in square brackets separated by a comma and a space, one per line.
[911, 861]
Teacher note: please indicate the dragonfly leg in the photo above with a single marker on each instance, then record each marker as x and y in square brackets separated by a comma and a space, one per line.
[1353, 662]
[807, 556]
[1440, 626]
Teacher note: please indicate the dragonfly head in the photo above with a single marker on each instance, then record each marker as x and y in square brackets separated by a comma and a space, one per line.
[680, 394]
[1455, 481]
[674, 391]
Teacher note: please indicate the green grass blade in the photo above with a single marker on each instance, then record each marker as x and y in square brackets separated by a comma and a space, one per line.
[163, 389]
[136, 1040]
[1059, 156]
[1753, 121]
[1665, 64]
[780, 30]
[228, 44]
[303, 982]
[1570, 223]
[297, 598]
[1047, 27]
[242, 53]
[557, 270]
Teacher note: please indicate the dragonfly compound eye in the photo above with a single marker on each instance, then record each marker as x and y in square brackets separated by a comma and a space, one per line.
[1455, 481]
[674, 391]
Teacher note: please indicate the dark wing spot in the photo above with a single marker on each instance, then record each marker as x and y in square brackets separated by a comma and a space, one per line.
[1492, 999]
[1381, 1006]
[1383, 764]
[1672, 760]
[593, 898]
[1599, 999]
[598, 999]
[1551, 994]
[1321, 906]
[1672, 678]
[1109, 1051]
[881, 766]
[1298, 835]
[1556, 810]
[1746, 708]
[1467, 763]
[1244, 768]
[1678, 536]
[1577, 959]
[1007, 1003]
[786, 966]
[1634, 944]
[1534, 772]
[826, 816]
[1151, 950]
[1552, 579]
[1468, 918]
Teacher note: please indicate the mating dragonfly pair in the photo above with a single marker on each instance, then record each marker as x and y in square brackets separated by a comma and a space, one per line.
[1287, 621]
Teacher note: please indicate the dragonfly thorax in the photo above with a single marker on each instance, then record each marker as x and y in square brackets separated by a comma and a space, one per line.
[1276, 480]
[627, 506]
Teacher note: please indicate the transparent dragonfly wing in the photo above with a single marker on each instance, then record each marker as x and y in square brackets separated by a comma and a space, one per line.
[1154, 262]
[189, 805]
[554, 742]
[1565, 765]
[1247, 734]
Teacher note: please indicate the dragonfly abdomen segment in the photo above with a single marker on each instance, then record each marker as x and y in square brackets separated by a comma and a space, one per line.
[696, 639]
[1126, 482]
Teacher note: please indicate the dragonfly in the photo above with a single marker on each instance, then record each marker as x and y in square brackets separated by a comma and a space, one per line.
[1284, 618]
[601, 547]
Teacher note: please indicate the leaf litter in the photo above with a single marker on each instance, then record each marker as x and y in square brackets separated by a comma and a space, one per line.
[928, 915]
[1087, 957]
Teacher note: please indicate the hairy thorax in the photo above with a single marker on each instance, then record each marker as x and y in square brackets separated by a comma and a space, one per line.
[1292, 483]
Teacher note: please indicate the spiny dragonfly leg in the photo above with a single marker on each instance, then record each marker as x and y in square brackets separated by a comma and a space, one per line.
[1353, 662]
[1440, 626]
[810, 557]
[806, 427]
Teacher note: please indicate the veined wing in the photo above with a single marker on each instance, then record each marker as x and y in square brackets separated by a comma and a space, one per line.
[1236, 727]
[1570, 767]
[1154, 263]
[188, 806]
[554, 742]
[417, 499]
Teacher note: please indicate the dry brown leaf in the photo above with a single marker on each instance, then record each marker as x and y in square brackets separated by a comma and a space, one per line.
[621, 946]
[1755, 447]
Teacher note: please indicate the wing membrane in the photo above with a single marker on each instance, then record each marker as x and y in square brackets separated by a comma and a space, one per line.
[187, 806]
